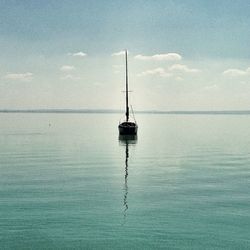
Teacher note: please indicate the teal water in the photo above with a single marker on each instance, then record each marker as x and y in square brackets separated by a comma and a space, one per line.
[68, 182]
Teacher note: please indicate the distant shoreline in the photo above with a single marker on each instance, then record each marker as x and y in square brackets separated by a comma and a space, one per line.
[109, 111]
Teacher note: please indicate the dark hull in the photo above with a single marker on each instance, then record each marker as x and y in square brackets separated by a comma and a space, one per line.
[128, 128]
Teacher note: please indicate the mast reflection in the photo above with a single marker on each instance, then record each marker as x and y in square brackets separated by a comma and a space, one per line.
[126, 140]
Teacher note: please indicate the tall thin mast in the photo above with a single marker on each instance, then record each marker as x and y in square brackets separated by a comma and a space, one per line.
[127, 108]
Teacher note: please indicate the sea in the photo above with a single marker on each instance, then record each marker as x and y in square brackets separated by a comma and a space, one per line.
[68, 181]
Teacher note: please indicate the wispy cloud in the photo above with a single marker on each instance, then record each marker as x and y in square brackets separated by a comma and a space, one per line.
[176, 71]
[236, 72]
[78, 54]
[178, 78]
[160, 57]
[71, 77]
[120, 53]
[183, 69]
[213, 87]
[66, 68]
[26, 77]
[156, 72]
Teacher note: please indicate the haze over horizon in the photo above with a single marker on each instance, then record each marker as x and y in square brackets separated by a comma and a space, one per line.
[183, 55]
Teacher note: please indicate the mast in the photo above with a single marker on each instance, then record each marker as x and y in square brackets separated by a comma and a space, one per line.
[127, 108]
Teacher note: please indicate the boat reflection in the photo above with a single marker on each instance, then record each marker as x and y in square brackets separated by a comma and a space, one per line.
[126, 140]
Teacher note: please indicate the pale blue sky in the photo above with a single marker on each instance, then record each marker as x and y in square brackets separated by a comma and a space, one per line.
[39, 38]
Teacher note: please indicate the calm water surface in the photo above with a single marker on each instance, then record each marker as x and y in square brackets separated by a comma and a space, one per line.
[68, 182]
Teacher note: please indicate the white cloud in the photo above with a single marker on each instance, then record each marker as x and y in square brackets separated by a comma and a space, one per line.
[156, 72]
[120, 53]
[78, 54]
[211, 88]
[236, 72]
[160, 57]
[70, 77]
[178, 78]
[182, 69]
[67, 68]
[26, 77]
[175, 71]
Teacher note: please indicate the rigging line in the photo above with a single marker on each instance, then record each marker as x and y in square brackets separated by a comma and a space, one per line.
[133, 113]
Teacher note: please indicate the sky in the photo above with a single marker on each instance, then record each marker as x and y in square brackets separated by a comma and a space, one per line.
[183, 54]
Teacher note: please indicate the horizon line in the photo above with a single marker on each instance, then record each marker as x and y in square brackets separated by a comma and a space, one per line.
[115, 111]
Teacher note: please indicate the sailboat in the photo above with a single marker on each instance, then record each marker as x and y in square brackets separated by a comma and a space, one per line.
[127, 127]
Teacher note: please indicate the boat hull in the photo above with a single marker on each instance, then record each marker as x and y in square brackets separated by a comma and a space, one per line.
[128, 128]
